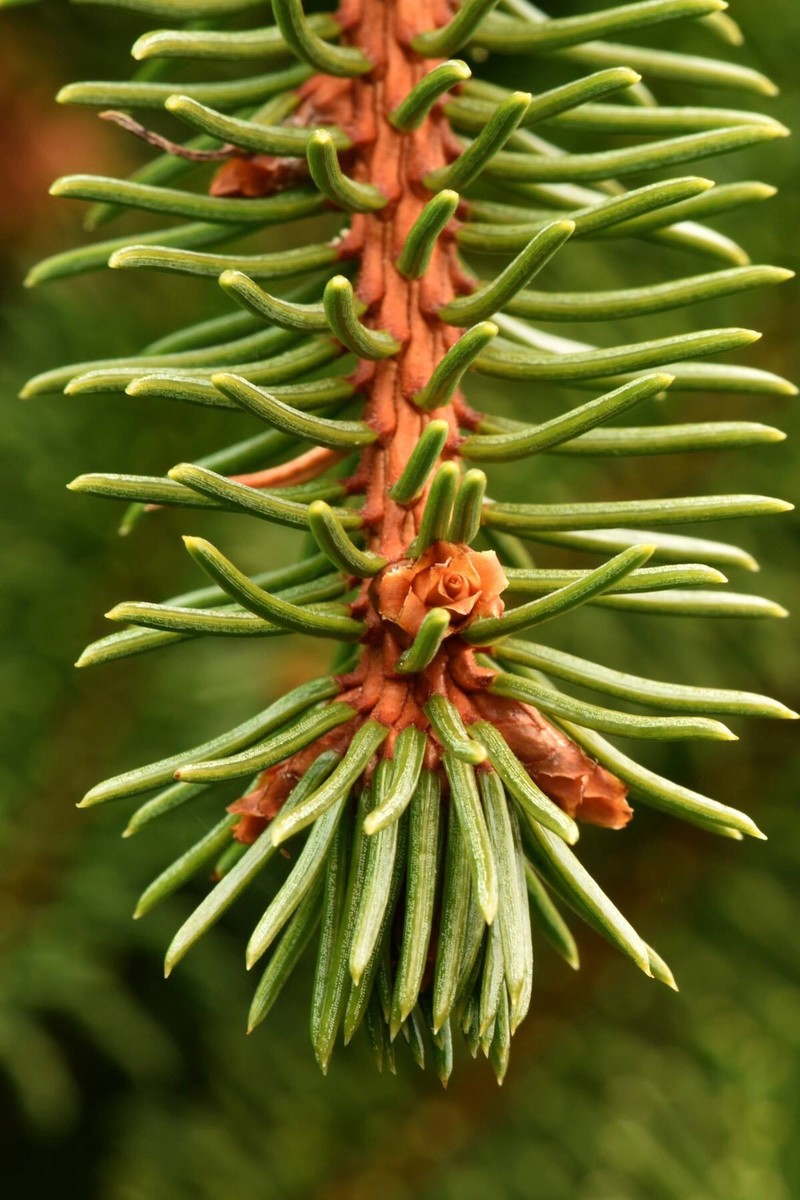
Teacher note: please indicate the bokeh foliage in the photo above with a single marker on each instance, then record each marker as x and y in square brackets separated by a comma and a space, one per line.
[116, 1085]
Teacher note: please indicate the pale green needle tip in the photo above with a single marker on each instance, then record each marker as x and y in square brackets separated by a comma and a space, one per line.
[666, 977]
[748, 827]
[176, 103]
[89, 800]
[356, 971]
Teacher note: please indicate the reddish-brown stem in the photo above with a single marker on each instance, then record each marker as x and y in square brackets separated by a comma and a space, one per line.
[305, 467]
[396, 163]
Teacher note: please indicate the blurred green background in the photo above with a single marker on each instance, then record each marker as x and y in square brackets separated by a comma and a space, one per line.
[118, 1086]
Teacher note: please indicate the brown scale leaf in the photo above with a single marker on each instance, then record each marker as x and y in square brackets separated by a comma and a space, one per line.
[578, 784]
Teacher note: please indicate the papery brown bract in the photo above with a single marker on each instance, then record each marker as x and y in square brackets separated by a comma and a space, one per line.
[466, 583]
[578, 784]
[256, 175]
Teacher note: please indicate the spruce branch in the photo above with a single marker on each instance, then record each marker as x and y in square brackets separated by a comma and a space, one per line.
[438, 777]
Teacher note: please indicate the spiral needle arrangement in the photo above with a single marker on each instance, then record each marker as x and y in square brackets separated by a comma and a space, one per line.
[429, 790]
